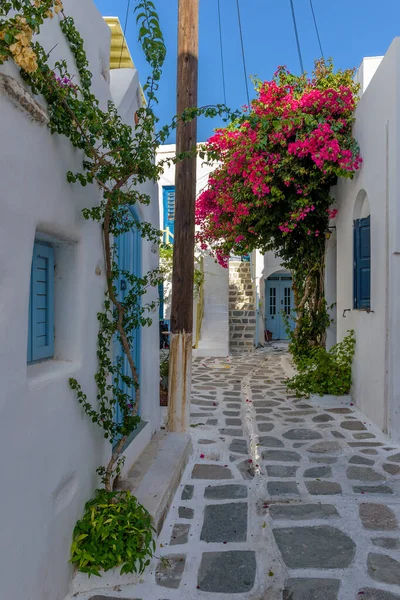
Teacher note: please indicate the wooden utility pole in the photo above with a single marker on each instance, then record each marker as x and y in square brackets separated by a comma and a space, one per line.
[180, 361]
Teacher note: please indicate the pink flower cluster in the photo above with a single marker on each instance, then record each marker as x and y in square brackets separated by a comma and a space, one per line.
[295, 139]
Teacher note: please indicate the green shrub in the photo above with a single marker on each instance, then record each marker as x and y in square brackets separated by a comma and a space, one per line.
[115, 530]
[322, 372]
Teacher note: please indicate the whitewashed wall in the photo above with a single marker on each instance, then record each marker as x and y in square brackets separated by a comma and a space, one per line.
[49, 449]
[376, 388]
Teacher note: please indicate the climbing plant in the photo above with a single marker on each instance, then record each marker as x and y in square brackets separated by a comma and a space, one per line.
[117, 158]
[271, 189]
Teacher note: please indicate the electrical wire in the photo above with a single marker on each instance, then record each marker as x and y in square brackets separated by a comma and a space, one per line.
[316, 28]
[222, 50]
[125, 28]
[297, 37]
[243, 54]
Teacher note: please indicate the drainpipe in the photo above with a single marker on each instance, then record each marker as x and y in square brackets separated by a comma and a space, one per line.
[386, 395]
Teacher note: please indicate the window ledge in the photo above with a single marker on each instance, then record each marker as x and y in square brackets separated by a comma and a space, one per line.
[46, 371]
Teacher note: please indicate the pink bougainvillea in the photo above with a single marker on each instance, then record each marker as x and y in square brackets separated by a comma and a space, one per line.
[277, 164]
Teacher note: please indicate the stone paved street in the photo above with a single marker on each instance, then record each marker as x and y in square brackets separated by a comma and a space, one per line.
[283, 499]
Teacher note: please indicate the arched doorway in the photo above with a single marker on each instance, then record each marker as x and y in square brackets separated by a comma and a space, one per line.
[279, 301]
[129, 248]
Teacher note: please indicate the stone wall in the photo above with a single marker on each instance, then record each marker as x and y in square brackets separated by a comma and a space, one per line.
[242, 314]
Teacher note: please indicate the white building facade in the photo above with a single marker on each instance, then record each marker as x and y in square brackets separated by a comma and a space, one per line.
[363, 258]
[49, 449]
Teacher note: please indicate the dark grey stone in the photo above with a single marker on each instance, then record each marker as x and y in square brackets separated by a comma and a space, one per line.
[364, 474]
[372, 489]
[201, 415]
[299, 444]
[318, 472]
[267, 441]
[373, 594]
[212, 422]
[364, 444]
[320, 547]
[187, 493]
[247, 469]
[225, 492]
[340, 411]
[303, 512]
[377, 517]
[391, 469]
[295, 420]
[369, 451]
[206, 442]
[387, 543]
[180, 534]
[263, 418]
[324, 418]
[211, 472]
[227, 572]
[232, 405]
[263, 411]
[231, 413]
[281, 456]
[234, 422]
[311, 589]
[353, 425]
[325, 447]
[185, 512]
[360, 460]
[304, 405]
[395, 458]
[303, 413]
[282, 488]
[169, 573]
[281, 471]
[338, 435]
[204, 403]
[384, 568]
[232, 432]
[302, 434]
[323, 488]
[238, 446]
[363, 436]
[265, 403]
[323, 460]
[225, 523]
[265, 427]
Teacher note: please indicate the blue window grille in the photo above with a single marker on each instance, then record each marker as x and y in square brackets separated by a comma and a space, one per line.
[41, 304]
[169, 208]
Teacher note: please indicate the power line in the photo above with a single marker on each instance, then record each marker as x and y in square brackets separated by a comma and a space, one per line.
[243, 55]
[125, 28]
[297, 37]
[316, 28]
[222, 50]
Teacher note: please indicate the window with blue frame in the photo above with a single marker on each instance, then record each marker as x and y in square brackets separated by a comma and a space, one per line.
[169, 208]
[362, 264]
[41, 304]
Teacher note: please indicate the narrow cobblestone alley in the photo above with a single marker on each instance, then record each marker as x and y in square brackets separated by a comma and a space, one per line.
[283, 499]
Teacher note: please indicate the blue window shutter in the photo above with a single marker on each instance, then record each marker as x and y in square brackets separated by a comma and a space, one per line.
[169, 208]
[41, 334]
[362, 263]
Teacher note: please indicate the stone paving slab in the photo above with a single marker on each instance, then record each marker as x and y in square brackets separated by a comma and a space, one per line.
[283, 498]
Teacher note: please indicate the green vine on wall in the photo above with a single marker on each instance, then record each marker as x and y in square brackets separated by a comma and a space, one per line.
[117, 158]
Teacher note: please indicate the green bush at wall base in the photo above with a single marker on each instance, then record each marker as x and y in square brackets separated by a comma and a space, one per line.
[325, 372]
[114, 531]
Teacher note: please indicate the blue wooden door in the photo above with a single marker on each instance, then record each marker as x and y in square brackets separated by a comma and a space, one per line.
[279, 300]
[129, 259]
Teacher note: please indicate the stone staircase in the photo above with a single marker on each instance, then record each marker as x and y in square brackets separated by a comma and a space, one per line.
[242, 314]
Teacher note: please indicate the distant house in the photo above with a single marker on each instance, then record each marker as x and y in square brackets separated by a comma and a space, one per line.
[52, 283]
[363, 255]
[240, 304]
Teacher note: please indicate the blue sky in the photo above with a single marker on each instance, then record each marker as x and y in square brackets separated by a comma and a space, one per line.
[349, 30]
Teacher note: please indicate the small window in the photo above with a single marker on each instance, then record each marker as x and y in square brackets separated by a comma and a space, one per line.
[362, 263]
[41, 304]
